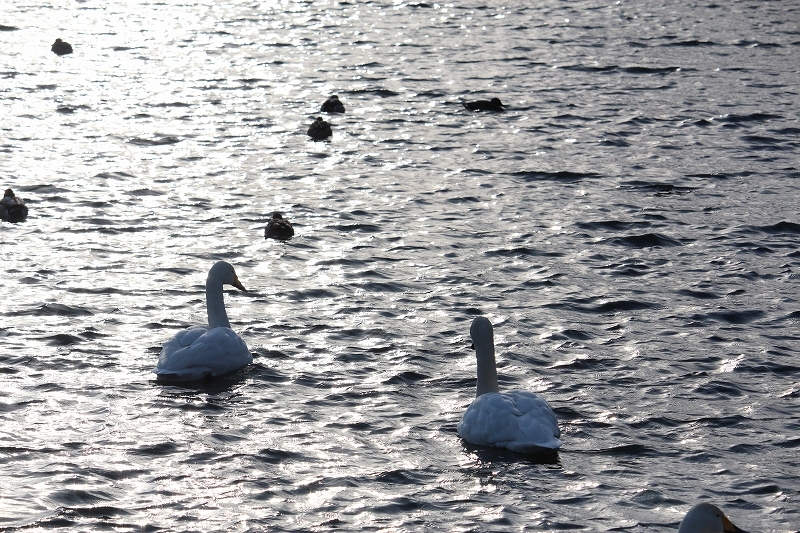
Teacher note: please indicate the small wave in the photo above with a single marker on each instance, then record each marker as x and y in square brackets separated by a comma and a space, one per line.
[273, 456]
[309, 294]
[616, 225]
[62, 339]
[692, 43]
[171, 104]
[69, 109]
[521, 251]
[161, 141]
[72, 496]
[53, 310]
[605, 307]
[408, 377]
[737, 317]
[780, 227]
[561, 176]
[719, 389]
[757, 44]
[651, 70]
[162, 448]
[366, 228]
[762, 142]
[383, 93]
[702, 295]
[115, 175]
[638, 450]
[660, 188]
[734, 118]
[647, 240]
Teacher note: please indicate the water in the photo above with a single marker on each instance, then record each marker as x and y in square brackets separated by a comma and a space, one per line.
[630, 225]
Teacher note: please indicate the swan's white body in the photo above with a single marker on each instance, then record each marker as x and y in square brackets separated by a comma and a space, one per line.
[707, 518]
[200, 352]
[517, 420]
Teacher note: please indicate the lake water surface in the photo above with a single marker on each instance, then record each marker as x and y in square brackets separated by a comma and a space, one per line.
[630, 225]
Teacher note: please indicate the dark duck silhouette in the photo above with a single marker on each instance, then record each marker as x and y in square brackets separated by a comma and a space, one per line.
[333, 105]
[12, 209]
[485, 105]
[61, 48]
[320, 130]
[278, 228]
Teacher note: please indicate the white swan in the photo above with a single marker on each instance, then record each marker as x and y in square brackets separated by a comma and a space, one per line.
[517, 420]
[707, 518]
[200, 352]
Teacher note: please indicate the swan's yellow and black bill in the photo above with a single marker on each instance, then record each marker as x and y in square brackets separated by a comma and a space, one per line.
[238, 284]
[729, 527]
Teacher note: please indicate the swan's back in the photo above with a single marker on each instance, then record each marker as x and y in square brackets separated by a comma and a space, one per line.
[517, 420]
[198, 353]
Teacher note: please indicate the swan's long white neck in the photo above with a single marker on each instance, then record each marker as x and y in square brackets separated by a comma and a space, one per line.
[483, 340]
[215, 304]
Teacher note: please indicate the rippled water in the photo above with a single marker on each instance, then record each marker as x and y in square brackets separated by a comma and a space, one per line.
[630, 225]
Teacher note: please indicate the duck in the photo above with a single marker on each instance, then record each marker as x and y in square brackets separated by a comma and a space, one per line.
[12, 208]
[278, 228]
[485, 105]
[320, 130]
[332, 105]
[204, 352]
[61, 48]
[707, 518]
[517, 420]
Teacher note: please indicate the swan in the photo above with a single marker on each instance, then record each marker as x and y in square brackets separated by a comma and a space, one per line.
[278, 228]
[12, 208]
[485, 105]
[320, 130]
[332, 105]
[61, 48]
[200, 352]
[518, 420]
[707, 518]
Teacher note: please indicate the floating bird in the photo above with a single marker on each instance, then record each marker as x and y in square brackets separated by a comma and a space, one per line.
[12, 208]
[332, 105]
[200, 352]
[278, 228]
[320, 130]
[707, 518]
[485, 105]
[61, 47]
[518, 420]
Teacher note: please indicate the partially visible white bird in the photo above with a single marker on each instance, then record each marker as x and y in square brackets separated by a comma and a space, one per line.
[707, 518]
[518, 420]
[200, 352]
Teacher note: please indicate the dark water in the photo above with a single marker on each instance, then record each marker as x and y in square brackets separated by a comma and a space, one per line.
[630, 225]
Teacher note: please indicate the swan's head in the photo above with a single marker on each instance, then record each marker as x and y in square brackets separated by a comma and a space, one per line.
[8, 192]
[496, 102]
[224, 273]
[707, 518]
[481, 332]
[277, 216]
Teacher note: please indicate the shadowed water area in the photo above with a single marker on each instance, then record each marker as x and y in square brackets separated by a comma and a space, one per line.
[630, 224]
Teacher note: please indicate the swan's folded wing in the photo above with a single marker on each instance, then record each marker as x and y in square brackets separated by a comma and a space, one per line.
[170, 358]
[228, 350]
